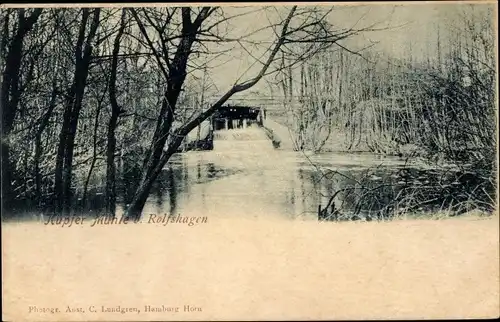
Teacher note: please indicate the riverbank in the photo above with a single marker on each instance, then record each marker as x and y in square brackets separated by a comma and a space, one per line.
[338, 141]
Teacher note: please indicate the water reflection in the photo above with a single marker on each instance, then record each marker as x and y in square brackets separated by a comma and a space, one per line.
[251, 178]
[245, 176]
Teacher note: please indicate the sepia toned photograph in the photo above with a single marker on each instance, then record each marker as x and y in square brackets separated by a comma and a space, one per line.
[253, 161]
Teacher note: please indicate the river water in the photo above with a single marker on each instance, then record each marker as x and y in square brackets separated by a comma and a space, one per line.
[246, 176]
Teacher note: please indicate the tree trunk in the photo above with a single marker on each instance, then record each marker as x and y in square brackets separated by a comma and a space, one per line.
[38, 144]
[64, 162]
[7, 197]
[135, 209]
[61, 149]
[9, 98]
[110, 166]
[94, 152]
[177, 75]
[113, 122]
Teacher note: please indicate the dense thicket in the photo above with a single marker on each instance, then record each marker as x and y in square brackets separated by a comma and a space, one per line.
[438, 104]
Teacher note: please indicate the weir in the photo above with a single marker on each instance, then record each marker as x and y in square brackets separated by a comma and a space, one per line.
[237, 116]
[238, 123]
[230, 117]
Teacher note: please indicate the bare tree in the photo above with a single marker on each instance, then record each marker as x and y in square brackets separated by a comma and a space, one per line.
[74, 103]
[309, 27]
[12, 48]
[116, 110]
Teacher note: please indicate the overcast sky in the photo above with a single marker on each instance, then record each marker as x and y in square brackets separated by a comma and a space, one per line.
[414, 24]
[408, 28]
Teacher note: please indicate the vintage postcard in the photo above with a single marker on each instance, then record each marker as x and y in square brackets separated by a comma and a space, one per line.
[249, 161]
